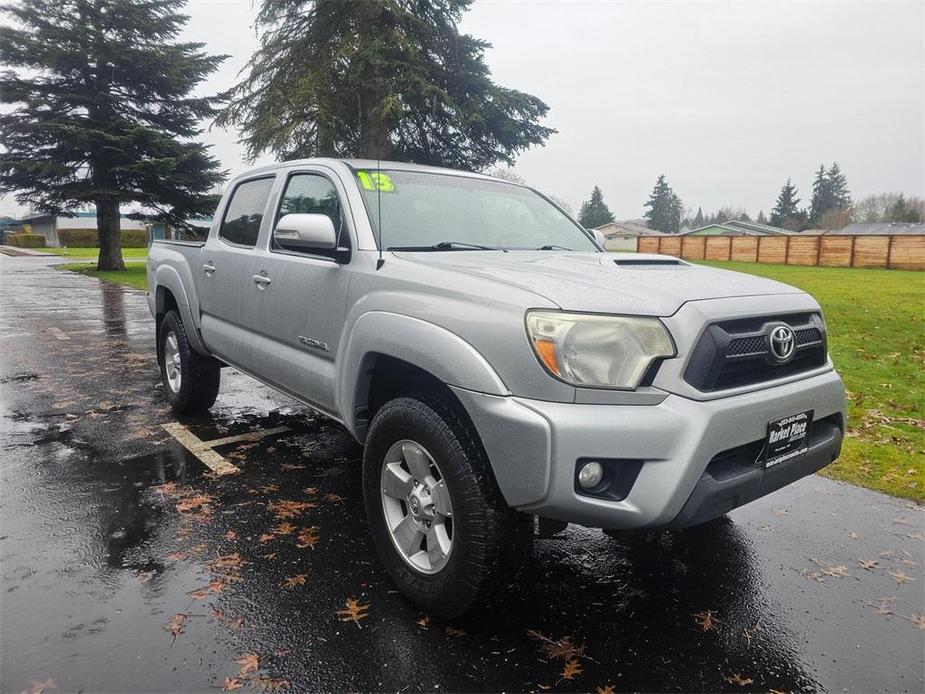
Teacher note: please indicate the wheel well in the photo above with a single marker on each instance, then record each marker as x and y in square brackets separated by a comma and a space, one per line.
[387, 378]
[164, 302]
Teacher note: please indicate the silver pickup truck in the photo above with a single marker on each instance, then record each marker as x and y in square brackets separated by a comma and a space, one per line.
[495, 362]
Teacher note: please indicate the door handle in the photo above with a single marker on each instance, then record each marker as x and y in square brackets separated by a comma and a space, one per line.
[209, 269]
[262, 281]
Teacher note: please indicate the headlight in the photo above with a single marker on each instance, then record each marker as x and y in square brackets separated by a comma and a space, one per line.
[595, 350]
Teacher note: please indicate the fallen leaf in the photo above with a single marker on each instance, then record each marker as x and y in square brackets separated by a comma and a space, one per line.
[918, 620]
[249, 662]
[175, 625]
[354, 611]
[900, 577]
[144, 576]
[40, 686]
[284, 510]
[606, 689]
[297, 580]
[269, 684]
[266, 537]
[835, 571]
[307, 537]
[230, 535]
[869, 564]
[736, 678]
[232, 683]
[424, 621]
[705, 620]
[453, 631]
[561, 648]
[571, 670]
[336, 498]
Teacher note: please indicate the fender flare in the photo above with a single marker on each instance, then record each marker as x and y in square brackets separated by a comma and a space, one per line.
[430, 347]
[169, 279]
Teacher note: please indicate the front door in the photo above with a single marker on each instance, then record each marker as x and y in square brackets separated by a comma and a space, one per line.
[302, 312]
[230, 289]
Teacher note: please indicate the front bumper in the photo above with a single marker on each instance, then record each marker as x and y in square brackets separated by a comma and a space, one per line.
[533, 447]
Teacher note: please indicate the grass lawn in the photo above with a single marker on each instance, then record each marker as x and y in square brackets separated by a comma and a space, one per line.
[93, 252]
[876, 321]
[134, 274]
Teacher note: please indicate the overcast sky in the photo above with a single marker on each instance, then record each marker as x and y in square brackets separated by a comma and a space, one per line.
[726, 99]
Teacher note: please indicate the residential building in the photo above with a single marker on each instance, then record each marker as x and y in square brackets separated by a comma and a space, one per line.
[49, 225]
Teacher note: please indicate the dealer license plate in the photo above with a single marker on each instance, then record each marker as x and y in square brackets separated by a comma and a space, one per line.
[787, 438]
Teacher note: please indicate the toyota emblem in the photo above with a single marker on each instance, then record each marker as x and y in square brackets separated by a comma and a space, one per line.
[783, 343]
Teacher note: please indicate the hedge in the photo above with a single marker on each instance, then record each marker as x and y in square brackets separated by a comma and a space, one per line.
[88, 238]
[26, 240]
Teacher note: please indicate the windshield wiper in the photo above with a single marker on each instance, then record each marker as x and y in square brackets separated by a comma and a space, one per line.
[445, 246]
[552, 247]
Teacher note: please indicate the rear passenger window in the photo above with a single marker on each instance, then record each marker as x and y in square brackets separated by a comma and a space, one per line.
[241, 224]
[314, 194]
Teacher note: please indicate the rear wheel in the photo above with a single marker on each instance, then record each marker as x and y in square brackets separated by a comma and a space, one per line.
[190, 379]
[445, 535]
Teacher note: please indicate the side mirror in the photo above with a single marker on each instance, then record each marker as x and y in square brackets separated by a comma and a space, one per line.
[304, 232]
[599, 237]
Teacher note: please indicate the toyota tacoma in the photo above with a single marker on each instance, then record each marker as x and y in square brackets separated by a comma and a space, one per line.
[498, 365]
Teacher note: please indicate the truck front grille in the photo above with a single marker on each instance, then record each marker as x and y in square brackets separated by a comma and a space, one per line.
[737, 353]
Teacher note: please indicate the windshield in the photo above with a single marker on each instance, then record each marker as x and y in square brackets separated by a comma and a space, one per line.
[440, 212]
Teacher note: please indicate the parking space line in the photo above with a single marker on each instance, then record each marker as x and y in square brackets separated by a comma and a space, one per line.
[203, 450]
[252, 436]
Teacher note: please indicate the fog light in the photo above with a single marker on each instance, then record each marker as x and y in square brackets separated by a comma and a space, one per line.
[590, 475]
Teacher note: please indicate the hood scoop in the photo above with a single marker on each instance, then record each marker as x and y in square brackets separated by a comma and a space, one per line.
[646, 260]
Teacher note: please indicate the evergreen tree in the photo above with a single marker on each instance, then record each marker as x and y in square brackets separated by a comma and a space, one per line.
[594, 212]
[698, 220]
[378, 79]
[761, 218]
[821, 200]
[786, 213]
[664, 207]
[838, 188]
[104, 113]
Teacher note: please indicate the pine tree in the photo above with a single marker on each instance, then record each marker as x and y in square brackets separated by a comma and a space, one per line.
[821, 200]
[104, 113]
[594, 212]
[698, 220]
[786, 213]
[378, 79]
[838, 188]
[761, 218]
[664, 207]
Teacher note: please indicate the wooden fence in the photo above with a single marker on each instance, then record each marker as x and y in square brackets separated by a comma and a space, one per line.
[893, 252]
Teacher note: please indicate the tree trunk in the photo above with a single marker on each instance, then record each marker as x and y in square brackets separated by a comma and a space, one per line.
[107, 224]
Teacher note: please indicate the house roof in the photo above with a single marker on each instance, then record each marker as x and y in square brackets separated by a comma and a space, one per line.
[871, 229]
[83, 220]
[614, 229]
[737, 227]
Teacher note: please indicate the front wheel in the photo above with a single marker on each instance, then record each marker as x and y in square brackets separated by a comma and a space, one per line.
[191, 380]
[444, 533]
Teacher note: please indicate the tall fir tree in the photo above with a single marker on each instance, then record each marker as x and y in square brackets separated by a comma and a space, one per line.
[786, 212]
[378, 79]
[103, 112]
[664, 208]
[838, 187]
[594, 212]
[761, 218]
[698, 220]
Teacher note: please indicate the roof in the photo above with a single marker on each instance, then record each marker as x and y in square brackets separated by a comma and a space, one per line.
[871, 229]
[370, 165]
[614, 229]
[737, 227]
[83, 220]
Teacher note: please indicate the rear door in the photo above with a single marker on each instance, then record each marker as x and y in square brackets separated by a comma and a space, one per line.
[230, 287]
[301, 313]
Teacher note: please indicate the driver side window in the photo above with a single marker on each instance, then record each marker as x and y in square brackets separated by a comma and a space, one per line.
[314, 194]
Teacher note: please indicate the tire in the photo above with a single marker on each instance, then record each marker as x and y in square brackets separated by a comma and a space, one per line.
[190, 379]
[487, 539]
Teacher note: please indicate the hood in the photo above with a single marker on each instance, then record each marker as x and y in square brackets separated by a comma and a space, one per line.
[627, 283]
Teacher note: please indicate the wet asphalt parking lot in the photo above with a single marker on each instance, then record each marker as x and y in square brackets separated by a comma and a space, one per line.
[128, 566]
